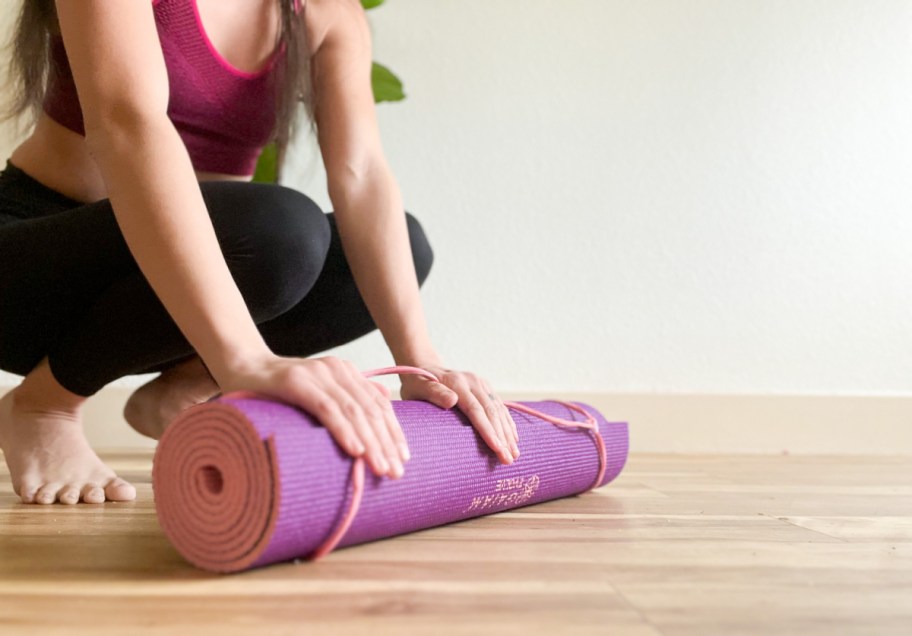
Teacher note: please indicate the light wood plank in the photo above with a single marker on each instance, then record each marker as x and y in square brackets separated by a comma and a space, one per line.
[677, 545]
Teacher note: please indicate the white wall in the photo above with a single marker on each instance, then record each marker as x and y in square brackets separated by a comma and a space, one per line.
[661, 195]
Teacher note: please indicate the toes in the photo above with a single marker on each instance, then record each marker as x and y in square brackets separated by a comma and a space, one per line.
[116, 490]
[47, 494]
[119, 490]
[27, 492]
[93, 493]
[69, 494]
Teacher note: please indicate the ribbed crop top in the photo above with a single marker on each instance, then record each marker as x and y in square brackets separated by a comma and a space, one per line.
[224, 115]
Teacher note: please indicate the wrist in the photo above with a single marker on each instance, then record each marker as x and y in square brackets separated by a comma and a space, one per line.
[413, 348]
[233, 361]
[420, 358]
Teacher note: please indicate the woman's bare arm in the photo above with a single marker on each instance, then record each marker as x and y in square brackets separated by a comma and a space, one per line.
[371, 220]
[365, 195]
[121, 78]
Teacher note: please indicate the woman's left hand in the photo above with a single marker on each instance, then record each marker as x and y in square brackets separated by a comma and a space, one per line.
[474, 397]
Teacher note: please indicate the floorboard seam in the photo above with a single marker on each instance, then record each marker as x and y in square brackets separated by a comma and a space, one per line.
[636, 609]
[791, 523]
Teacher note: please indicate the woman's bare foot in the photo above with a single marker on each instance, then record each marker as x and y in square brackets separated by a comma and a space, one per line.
[156, 403]
[46, 451]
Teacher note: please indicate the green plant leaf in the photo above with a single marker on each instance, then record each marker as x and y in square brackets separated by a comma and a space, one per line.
[387, 87]
[266, 168]
[370, 4]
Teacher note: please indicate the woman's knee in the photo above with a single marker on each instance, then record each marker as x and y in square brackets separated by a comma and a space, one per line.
[275, 241]
[422, 254]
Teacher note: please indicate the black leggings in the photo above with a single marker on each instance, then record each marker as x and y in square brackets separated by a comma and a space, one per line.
[71, 290]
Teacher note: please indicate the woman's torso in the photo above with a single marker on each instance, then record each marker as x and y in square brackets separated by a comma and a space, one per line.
[242, 32]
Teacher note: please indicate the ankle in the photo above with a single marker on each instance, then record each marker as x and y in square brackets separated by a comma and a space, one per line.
[41, 390]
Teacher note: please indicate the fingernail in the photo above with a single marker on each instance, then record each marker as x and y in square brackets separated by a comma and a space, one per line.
[397, 467]
[383, 465]
[405, 452]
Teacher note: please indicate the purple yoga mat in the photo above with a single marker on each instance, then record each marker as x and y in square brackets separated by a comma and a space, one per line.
[242, 482]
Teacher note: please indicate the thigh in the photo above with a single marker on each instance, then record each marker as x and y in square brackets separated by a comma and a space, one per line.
[50, 267]
[62, 255]
[75, 253]
[55, 263]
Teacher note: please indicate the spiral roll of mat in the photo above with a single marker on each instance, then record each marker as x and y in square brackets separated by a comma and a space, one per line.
[242, 482]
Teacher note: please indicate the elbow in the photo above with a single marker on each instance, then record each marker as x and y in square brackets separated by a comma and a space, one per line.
[122, 124]
[346, 181]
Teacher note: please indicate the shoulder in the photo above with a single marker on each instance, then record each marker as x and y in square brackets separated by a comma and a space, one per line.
[330, 23]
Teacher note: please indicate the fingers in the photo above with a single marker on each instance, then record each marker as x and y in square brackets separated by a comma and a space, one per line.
[507, 422]
[511, 423]
[486, 422]
[507, 425]
[438, 393]
[384, 390]
[375, 422]
[393, 426]
[358, 414]
[488, 414]
[485, 416]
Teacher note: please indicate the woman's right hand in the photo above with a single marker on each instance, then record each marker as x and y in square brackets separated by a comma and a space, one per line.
[356, 411]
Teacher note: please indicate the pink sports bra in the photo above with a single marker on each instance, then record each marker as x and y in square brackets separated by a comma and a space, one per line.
[224, 115]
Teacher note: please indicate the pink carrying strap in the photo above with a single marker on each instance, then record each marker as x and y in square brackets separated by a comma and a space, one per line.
[358, 468]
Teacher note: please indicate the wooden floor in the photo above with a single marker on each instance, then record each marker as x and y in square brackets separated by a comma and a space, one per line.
[677, 545]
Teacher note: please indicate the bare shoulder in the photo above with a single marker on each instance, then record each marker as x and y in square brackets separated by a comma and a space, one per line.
[331, 22]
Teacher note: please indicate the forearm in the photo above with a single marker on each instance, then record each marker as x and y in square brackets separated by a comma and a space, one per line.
[164, 221]
[374, 234]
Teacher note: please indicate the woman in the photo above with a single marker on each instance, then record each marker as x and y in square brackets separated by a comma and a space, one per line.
[131, 240]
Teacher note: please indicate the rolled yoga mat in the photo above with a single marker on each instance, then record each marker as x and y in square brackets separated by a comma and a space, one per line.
[243, 480]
